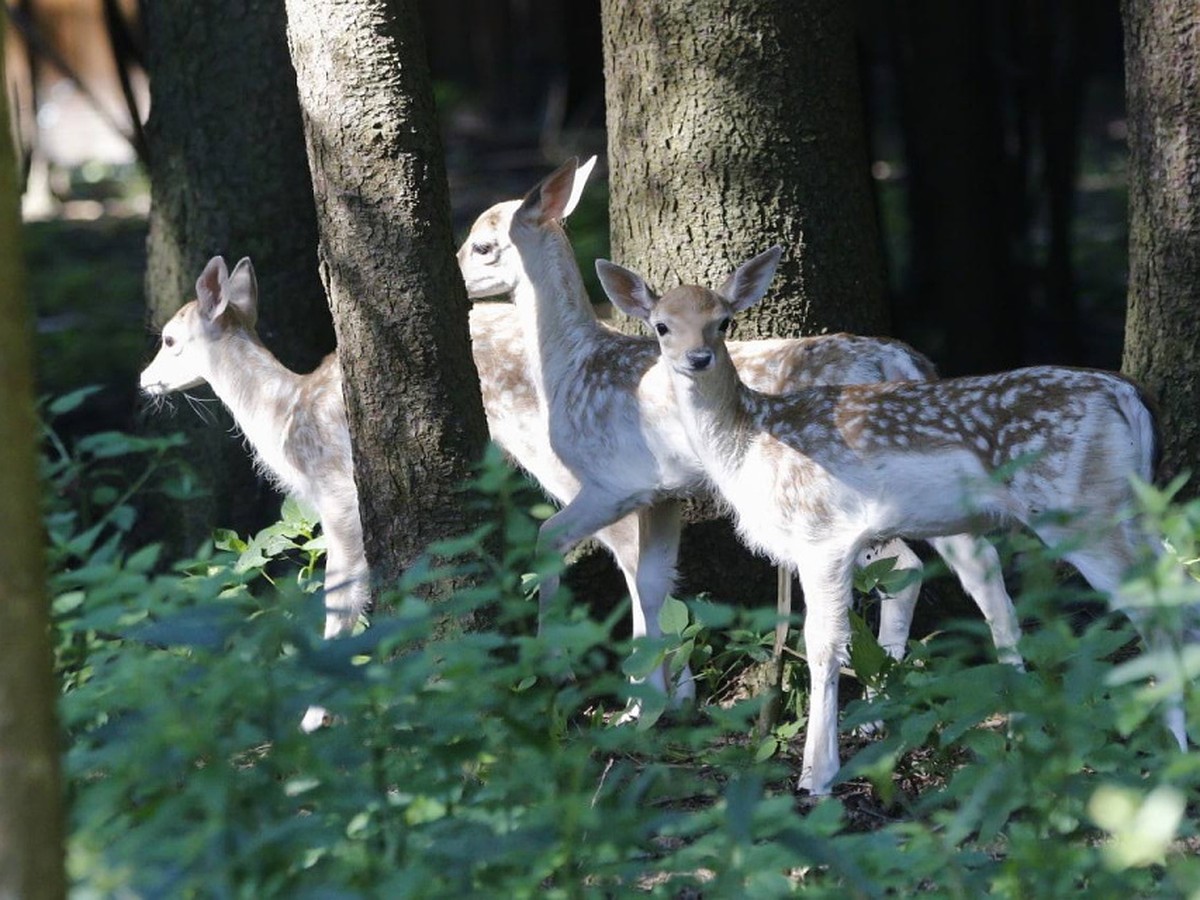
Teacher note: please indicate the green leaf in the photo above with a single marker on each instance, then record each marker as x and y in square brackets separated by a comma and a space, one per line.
[72, 401]
[673, 616]
[298, 515]
[225, 539]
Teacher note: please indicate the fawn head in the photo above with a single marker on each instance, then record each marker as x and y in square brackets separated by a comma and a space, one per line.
[691, 321]
[489, 262]
[223, 301]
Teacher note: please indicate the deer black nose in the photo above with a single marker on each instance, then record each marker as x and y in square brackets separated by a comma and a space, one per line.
[699, 359]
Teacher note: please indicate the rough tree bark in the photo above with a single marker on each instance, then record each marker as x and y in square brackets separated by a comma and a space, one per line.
[733, 126]
[1162, 328]
[387, 257]
[31, 809]
[228, 175]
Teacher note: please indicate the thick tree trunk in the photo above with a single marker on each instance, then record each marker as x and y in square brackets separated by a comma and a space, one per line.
[733, 126]
[229, 175]
[1162, 328]
[387, 257]
[31, 809]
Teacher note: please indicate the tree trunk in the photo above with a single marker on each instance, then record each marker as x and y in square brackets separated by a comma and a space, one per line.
[228, 175]
[1162, 328]
[733, 126]
[31, 811]
[737, 125]
[387, 257]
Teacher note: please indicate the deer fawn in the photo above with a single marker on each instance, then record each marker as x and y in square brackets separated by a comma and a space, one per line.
[605, 402]
[296, 424]
[816, 475]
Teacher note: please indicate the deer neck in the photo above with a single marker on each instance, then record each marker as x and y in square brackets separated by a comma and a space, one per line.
[714, 408]
[556, 314]
[260, 393]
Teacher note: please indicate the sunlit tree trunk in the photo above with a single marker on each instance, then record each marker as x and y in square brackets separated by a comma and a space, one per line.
[31, 809]
[1162, 328]
[228, 175]
[387, 257]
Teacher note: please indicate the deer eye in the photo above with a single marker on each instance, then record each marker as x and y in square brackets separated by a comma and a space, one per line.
[661, 328]
[483, 249]
[168, 341]
[725, 325]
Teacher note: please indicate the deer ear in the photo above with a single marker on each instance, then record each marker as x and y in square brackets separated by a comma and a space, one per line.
[577, 185]
[626, 289]
[551, 197]
[241, 290]
[746, 286]
[208, 288]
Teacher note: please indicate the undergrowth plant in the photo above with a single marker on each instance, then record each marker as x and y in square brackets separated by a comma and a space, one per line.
[487, 763]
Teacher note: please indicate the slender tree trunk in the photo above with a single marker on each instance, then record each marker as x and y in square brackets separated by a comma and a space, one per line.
[229, 175]
[733, 126]
[1162, 327]
[31, 808]
[387, 257]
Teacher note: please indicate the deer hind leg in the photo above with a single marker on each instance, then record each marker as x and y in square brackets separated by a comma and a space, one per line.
[1103, 561]
[977, 565]
[825, 578]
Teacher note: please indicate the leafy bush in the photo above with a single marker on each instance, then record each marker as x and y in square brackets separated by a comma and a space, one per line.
[487, 763]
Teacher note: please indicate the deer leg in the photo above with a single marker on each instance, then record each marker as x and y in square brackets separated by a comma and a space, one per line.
[590, 510]
[825, 578]
[1103, 562]
[896, 610]
[659, 528]
[977, 565]
[347, 587]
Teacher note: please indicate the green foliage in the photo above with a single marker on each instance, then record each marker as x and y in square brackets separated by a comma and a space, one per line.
[487, 763]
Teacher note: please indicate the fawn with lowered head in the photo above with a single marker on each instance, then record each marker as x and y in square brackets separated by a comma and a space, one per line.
[606, 404]
[816, 475]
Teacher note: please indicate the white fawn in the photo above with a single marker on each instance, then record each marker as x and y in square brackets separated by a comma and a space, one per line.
[816, 475]
[606, 403]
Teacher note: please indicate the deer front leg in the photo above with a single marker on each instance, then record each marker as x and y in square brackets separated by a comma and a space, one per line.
[590, 510]
[347, 588]
[347, 585]
[825, 578]
[896, 610]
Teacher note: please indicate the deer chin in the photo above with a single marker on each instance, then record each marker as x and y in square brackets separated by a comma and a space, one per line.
[160, 387]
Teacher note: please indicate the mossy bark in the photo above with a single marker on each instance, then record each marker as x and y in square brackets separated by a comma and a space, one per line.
[387, 258]
[1162, 327]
